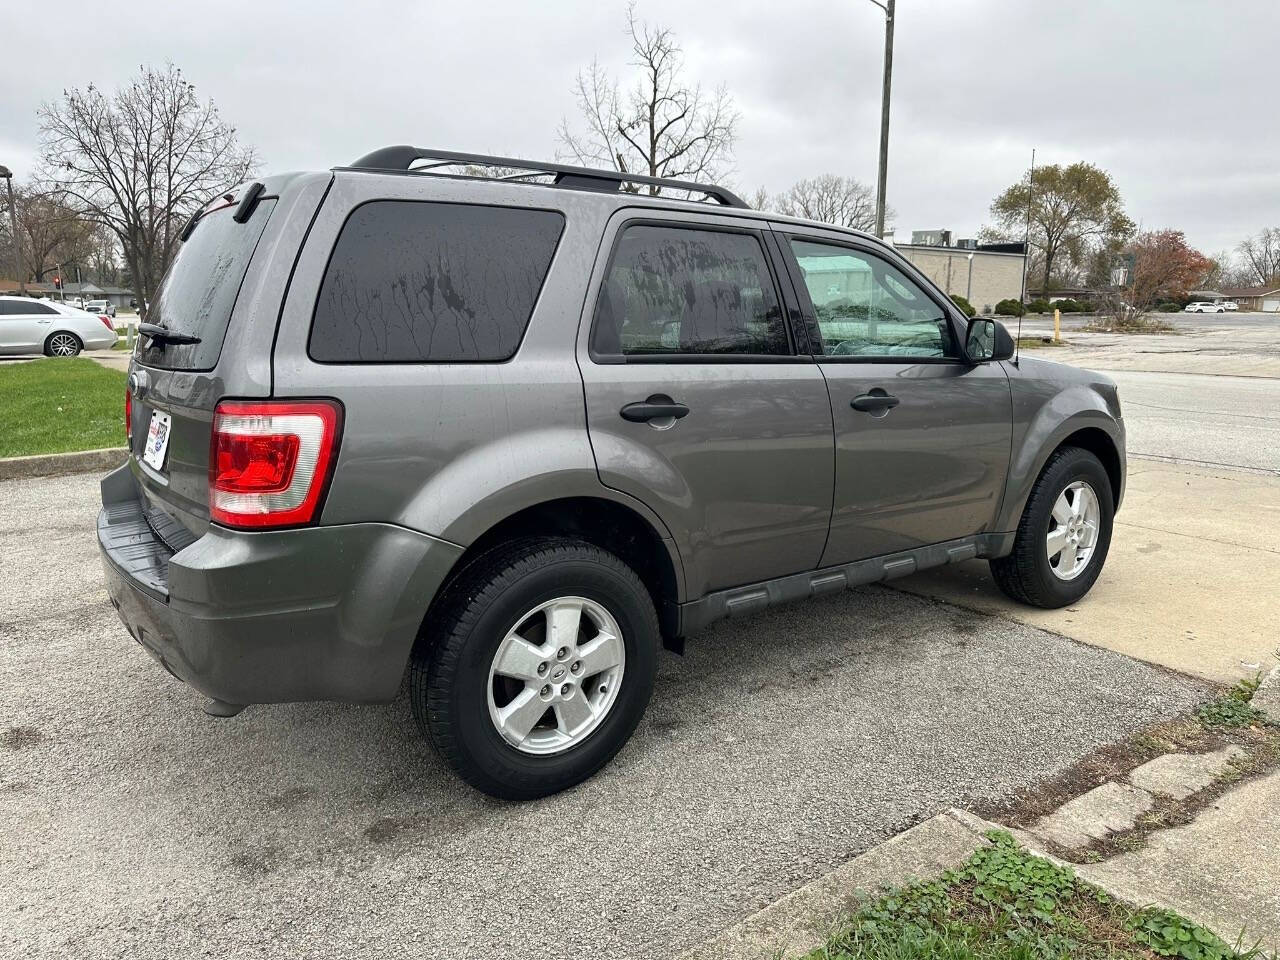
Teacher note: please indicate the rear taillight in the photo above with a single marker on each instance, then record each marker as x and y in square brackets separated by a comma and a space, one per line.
[106, 322]
[128, 417]
[270, 461]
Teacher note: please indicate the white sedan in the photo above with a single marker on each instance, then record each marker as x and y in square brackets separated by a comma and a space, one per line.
[51, 328]
[1204, 307]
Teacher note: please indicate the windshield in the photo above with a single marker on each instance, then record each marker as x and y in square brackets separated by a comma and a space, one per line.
[199, 291]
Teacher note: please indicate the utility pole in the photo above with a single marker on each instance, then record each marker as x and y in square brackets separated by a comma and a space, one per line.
[883, 174]
[7, 175]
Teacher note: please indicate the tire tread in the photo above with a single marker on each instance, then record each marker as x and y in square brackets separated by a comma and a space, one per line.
[435, 661]
[1015, 574]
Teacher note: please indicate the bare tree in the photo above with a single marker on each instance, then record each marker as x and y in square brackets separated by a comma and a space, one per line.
[1261, 255]
[661, 126]
[141, 162]
[759, 199]
[1226, 271]
[49, 231]
[843, 201]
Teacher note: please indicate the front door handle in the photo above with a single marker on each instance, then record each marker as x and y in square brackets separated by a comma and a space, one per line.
[877, 401]
[655, 408]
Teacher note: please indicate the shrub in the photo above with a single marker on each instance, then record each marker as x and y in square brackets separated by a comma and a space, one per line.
[1038, 305]
[1008, 308]
[964, 305]
[1066, 305]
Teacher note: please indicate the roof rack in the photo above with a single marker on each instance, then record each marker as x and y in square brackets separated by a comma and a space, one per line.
[402, 157]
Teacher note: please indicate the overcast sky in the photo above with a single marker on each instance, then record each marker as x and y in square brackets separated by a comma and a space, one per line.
[1178, 99]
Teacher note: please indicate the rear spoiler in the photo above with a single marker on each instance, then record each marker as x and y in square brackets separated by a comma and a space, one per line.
[244, 209]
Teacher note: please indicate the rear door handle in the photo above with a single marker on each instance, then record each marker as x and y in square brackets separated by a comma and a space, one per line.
[876, 401]
[655, 408]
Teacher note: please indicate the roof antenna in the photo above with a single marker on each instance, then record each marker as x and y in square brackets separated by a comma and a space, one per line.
[1026, 249]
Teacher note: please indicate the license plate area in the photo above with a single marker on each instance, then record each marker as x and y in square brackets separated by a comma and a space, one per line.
[157, 445]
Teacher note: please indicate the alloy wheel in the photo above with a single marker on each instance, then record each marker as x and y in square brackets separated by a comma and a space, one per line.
[556, 675]
[63, 345]
[1073, 530]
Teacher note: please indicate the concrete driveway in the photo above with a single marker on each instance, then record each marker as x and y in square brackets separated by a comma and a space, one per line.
[131, 825]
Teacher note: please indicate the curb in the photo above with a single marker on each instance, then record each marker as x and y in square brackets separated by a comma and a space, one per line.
[802, 920]
[57, 464]
[1267, 697]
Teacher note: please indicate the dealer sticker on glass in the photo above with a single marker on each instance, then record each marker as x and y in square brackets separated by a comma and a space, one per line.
[157, 440]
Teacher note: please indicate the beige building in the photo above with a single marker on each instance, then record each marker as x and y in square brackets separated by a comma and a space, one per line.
[983, 277]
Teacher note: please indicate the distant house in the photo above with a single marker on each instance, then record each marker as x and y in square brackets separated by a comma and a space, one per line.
[1264, 299]
[119, 296]
[1205, 296]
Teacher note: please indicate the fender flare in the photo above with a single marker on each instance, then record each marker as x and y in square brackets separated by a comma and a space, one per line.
[1073, 410]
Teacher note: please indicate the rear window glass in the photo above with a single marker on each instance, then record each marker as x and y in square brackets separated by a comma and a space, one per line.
[412, 282]
[200, 289]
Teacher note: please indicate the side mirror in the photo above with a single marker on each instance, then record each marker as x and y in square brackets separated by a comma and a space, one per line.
[987, 340]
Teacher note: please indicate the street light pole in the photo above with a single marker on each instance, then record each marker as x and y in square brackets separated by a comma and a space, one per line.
[7, 175]
[882, 175]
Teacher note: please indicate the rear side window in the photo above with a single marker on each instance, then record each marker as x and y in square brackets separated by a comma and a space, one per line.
[679, 290]
[15, 308]
[418, 282]
[200, 289]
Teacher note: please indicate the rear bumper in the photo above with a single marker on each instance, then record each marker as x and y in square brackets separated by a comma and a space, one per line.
[101, 341]
[321, 613]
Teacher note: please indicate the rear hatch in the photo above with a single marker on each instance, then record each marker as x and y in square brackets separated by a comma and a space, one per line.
[223, 290]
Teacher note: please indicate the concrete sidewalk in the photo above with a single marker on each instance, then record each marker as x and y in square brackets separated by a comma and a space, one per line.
[1222, 870]
[1191, 581]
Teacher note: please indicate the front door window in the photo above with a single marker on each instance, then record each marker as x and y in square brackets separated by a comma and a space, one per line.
[864, 306]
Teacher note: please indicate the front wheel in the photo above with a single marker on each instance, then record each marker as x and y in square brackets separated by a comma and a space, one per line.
[1064, 533]
[537, 667]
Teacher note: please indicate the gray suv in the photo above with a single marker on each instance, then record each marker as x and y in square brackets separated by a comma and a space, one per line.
[502, 428]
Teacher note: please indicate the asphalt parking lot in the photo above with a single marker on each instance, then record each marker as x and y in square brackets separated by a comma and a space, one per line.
[131, 825]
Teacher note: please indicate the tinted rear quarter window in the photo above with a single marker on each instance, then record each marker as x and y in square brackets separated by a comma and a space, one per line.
[412, 281]
[200, 289]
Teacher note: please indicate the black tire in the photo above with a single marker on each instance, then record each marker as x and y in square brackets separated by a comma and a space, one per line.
[1026, 575]
[449, 668]
[76, 342]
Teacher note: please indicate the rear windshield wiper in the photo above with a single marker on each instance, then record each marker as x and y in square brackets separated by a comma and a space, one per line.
[161, 335]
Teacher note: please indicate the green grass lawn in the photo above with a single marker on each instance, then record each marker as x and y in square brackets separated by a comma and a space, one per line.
[60, 404]
[1005, 904]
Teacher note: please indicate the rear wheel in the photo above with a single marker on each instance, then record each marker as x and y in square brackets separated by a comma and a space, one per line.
[62, 345]
[537, 666]
[1064, 534]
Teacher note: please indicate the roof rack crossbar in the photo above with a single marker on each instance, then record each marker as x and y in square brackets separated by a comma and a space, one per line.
[402, 157]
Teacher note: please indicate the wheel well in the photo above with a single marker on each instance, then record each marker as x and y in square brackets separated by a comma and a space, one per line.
[608, 525]
[1101, 446]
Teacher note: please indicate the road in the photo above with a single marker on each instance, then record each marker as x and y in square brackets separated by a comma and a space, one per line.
[1181, 322]
[131, 825]
[1213, 420]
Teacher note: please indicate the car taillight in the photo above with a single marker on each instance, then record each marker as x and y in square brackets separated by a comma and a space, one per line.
[128, 417]
[270, 461]
[106, 322]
